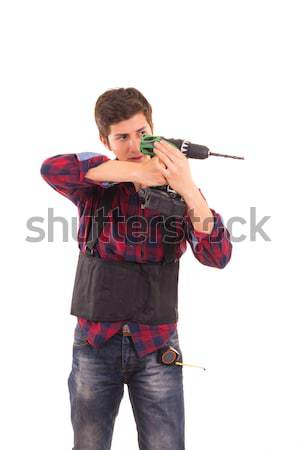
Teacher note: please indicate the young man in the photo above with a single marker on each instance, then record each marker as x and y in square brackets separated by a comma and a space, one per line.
[125, 293]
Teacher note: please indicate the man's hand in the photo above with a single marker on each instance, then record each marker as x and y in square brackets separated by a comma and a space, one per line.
[149, 172]
[175, 168]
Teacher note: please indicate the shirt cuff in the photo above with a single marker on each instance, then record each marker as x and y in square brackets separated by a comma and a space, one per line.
[89, 160]
[216, 233]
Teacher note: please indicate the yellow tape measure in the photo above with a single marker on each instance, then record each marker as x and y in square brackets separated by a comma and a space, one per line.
[190, 365]
[169, 355]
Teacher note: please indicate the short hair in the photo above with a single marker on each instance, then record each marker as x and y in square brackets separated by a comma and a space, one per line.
[116, 105]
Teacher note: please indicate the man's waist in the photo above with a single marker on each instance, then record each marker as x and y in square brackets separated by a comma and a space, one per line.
[125, 330]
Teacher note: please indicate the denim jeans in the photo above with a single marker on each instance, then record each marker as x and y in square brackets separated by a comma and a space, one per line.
[96, 387]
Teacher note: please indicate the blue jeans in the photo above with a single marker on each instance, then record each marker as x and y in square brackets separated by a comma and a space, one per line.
[96, 387]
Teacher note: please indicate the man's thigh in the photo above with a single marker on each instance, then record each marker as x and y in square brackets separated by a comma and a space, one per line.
[156, 395]
[96, 389]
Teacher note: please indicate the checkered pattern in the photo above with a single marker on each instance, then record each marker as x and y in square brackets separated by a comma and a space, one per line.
[66, 174]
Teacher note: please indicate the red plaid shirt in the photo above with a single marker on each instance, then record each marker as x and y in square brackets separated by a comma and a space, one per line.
[66, 174]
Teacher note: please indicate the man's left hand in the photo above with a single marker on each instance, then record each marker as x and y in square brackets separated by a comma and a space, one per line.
[177, 171]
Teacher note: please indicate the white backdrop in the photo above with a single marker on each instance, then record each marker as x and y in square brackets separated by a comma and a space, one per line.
[222, 74]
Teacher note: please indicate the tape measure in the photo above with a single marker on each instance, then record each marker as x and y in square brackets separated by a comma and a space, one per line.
[169, 356]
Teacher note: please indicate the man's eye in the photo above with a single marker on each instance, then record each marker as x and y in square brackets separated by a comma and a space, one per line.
[125, 136]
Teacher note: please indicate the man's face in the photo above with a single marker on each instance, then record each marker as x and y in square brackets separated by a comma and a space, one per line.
[125, 138]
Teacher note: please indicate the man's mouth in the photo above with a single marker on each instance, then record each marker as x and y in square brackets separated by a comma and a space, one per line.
[136, 158]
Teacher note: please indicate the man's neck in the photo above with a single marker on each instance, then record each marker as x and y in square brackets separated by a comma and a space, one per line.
[137, 186]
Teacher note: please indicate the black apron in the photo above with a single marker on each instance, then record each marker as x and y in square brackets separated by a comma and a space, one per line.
[111, 290]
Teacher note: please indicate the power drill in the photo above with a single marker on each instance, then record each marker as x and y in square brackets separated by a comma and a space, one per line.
[163, 198]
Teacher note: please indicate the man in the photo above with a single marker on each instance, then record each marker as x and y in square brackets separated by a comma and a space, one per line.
[116, 343]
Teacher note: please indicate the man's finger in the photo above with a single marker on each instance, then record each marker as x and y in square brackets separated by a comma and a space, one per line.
[171, 148]
[169, 152]
[165, 158]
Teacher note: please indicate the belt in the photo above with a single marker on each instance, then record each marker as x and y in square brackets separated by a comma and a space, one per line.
[125, 331]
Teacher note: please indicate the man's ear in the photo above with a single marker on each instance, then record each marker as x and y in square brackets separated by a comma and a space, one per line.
[105, 142]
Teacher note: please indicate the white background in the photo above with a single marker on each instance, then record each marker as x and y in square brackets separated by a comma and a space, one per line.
[221, 74]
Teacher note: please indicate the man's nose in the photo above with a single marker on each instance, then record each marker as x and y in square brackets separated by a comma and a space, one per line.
[135, 144]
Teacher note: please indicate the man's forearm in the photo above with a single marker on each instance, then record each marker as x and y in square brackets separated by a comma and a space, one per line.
[117, 171]
[198, 210]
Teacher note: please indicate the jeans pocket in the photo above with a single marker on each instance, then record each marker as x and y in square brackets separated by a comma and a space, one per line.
[79, 337]
[174, 342]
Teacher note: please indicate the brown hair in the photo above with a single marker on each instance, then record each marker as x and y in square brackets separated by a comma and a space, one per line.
[116, 105]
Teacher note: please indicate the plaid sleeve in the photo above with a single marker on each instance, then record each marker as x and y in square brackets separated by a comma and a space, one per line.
[67, 174]
[214, 249]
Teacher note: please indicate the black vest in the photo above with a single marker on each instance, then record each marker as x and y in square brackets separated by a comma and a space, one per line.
[111, 290]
